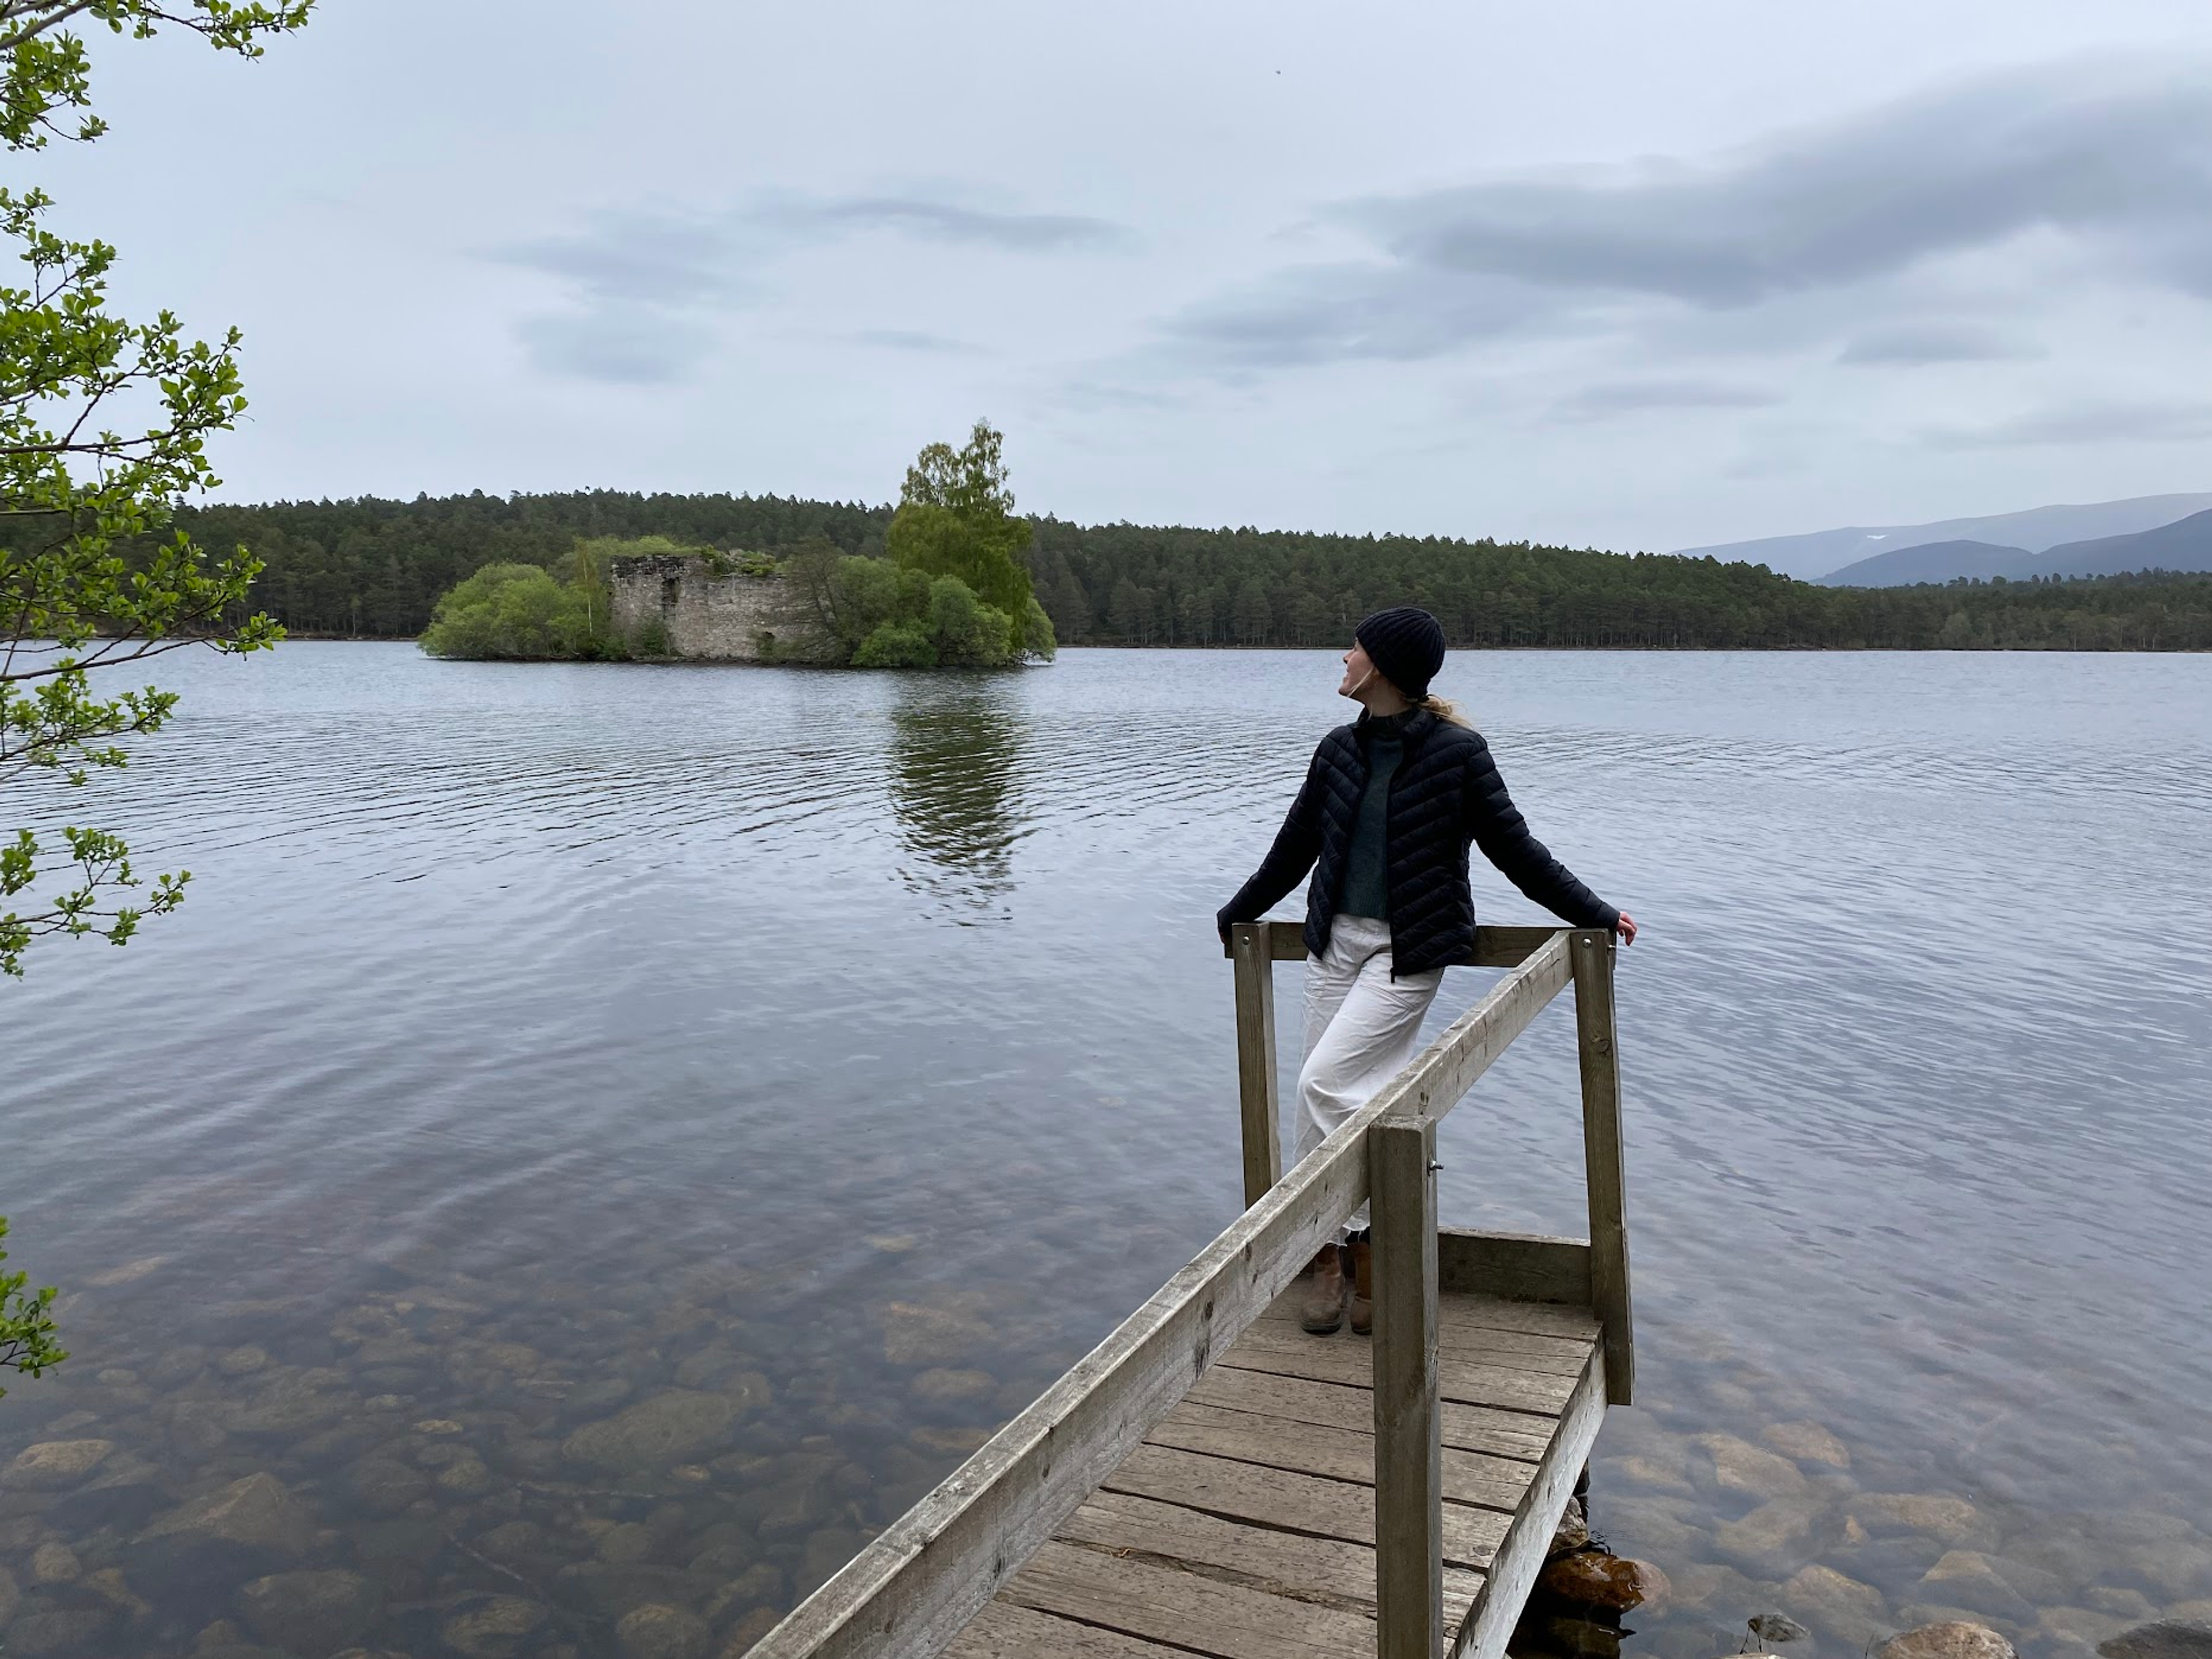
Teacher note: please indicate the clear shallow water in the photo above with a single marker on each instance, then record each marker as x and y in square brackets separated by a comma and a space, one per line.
[542, 1044]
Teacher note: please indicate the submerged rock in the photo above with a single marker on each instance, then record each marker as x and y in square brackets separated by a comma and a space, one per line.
[54, 1564]
[625, 1543]
[1775, 1538]
[941, 1387]
[309, 1613]
[2130, 1607]
[918, 1335]
[1953, 1638]
[1965, 1578]
[1841, 1604]
[673, 1427]
[47, 1630]
[2165, 1638]
[658, 1631]
[1808, 1442]
[248, 1523]
[1952, 1521]
[111, 1586]
[54, 1465]
[1740, 1467]
[385, 1486]
[746, 1633]
[492, 1627]
[1776, 1627]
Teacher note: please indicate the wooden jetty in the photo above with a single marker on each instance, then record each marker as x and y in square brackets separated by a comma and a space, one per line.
[1211, 1480]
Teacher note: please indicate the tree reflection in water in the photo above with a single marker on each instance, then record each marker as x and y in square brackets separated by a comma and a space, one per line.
[956, 746]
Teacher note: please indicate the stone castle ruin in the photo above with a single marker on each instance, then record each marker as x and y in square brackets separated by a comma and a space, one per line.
[713, 608]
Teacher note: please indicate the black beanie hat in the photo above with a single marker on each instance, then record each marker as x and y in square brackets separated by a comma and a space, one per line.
[1406, 646]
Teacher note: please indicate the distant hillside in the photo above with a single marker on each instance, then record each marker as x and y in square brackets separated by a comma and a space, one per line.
[1935, 561]
[1814, 556]
[2186, 545]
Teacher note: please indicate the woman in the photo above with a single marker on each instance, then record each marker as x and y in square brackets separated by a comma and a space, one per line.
[1383, 821]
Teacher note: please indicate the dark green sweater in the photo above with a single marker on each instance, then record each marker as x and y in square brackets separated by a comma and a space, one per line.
[1366, 886]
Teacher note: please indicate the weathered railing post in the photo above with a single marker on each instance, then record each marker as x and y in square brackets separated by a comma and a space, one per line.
[1408, 1456]
[1591, 960]
[1255, 954]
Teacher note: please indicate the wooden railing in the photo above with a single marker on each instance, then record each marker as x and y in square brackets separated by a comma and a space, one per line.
[912, 1591]
[1408, 1244]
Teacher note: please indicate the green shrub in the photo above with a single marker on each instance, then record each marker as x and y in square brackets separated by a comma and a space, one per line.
[968, 633]
[1037, 638]
[897, 645]
[510, 612]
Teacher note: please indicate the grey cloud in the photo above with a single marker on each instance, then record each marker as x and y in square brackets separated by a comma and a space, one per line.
[657, 258]
[908, 339]
[2088, 422]
[646, 283]
[1911, 343]
[1326, 313]
[1091, 396]
[625, 347]
[943, 222]
[2115, 155]
[2120, 152]
[1609, 398]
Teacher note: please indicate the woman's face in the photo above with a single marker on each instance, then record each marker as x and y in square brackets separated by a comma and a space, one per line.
[1357, 671]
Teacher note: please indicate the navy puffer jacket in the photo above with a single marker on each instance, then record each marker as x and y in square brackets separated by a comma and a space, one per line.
[1446, 793]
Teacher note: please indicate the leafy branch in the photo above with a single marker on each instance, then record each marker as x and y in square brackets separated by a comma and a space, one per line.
[27, 1323]
[103, 430]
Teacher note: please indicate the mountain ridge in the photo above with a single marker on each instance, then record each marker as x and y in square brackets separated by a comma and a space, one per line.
[2185, 545]
[1822, 553]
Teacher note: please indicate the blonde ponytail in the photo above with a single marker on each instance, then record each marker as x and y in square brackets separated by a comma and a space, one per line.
[1445, 710]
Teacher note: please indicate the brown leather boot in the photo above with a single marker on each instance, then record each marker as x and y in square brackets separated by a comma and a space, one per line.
[1363, 1286]
[1323, 1310]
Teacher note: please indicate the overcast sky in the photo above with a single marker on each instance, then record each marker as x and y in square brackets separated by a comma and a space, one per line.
[1611, 273]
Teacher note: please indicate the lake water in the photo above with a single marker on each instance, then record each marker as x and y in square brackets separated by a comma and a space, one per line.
[832, 1059]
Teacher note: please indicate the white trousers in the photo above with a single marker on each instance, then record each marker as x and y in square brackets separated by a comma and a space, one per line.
[1362, 1028]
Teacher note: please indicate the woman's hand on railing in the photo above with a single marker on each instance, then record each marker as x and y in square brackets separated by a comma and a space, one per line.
[1626, 927]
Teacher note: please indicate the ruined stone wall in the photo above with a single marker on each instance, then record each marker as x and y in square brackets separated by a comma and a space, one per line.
[733, 618]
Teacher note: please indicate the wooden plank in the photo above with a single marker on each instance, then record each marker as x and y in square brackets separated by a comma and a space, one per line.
[1494, 947]
[1255, 1057]
[1460, 1310]
[912, 1589]
[1203, 1615]
[1505, 1387]
[1593, 955]
[1005, 1631]
[1325, 1570]
[1515, 1267]
[1521, 1556]
[1291, 1503]
[1332, 1453]
[1482, 1345]
[1409, 1477]
[1512, 1435]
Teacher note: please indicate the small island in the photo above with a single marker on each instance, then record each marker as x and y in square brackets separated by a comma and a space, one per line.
[951, 592]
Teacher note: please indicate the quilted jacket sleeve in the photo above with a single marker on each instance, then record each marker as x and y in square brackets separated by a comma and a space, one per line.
[1297, 844]
[1498, 828]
